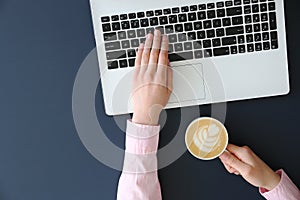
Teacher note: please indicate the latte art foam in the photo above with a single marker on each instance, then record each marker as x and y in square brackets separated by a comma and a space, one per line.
[206, 138]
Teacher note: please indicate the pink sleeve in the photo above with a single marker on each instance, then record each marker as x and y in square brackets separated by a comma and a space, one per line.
[285, 190]
[139, 179]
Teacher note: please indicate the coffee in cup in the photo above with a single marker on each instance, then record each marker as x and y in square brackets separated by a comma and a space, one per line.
[206, 138]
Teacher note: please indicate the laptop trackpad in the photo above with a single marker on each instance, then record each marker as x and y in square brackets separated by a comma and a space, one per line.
[188, 83]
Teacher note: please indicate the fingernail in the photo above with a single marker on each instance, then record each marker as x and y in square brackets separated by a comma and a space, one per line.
[225, 155]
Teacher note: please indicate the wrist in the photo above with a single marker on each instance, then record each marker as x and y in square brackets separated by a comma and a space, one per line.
[145, 119]
[273, 181]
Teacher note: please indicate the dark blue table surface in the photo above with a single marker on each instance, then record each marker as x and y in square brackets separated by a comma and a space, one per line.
[42, 44]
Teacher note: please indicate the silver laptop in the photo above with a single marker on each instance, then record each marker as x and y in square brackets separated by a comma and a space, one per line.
[219, 50]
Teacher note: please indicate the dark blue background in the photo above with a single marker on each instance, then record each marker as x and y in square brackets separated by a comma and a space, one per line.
[42, 44]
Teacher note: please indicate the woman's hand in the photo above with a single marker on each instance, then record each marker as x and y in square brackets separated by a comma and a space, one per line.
[152, 81]
[242, 161]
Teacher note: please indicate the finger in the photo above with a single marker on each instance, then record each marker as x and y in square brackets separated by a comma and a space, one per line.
[146, 52]
[232, 161]
[170, 79]
[243, 153]
[138, 59]
[155, 51]
[163, 56]
[231, 170]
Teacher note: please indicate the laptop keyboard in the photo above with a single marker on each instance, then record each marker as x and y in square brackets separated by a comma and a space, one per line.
[195, 32]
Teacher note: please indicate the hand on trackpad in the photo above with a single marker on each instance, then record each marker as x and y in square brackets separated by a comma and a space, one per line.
[188, 83]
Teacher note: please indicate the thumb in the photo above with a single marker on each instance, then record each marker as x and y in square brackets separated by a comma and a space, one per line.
[232, 161]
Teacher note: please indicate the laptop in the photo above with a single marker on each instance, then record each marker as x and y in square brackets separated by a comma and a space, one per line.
[219, 50]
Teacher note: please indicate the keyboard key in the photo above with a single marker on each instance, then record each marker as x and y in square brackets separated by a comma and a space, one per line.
[210, 5]
[134, 43]
[258, 46]
[271, 6]
[170, 28]
[105, 19]
[112, 46]
[202, 6]
[154, 21]
[191, 35]
[123, 63]
[198, 54]
[110, 36]
[167, 11]
[144, 22]
[246, 1]
[201, 15]
[125, 25]
[131, 62]
[197, 25]
[256, 27]
[249, 29]
[142, 40]
[171, 48]
[188, 46]
[131, 53]
[211, 14]
[115, 55]
[254, 1]
[226, 21]
[264, 26]
[274, 36]
[106, 27]
[141, 33]
[115, 18]
[235, 30]
[248, 19]
[193, 8]
[132, 15]
[242, 48]
[197, 44]
[272, 21]
[250, 47]
[161, 29]
[185, 9]
[123, 17]
[237, 2]
[116, 26]
[182, 17]
[210, 33]
[158, 12]
[172, 38]
[163, 20]
[207, 24]
[221, 13]
[173, 57]
[247, 9]
[188, 26]
[182, 37]
[255, 8]
[135, 23]
[217, 23]
[150, 13]
[150, 30]
[249, 38]
[206, 43]
[175, 10]
[228, 3]
[241, 39]
[221, 51]
[234, 11]
[173, 19]
[274, 44]
[220, 4]
[266, 46]
[220, 32]
[200, 34]
[207, 53]
[179, 28]
[263, 7]
[112, 64]
[125, 44]
[140, 14]
[192, 16]
[131, 34]
[122, 35]
[237, 20]
[216, 42]
[264, 17]
[233, 49]
[178, 47]
[256, 18]
[229, 40]
[265, 36]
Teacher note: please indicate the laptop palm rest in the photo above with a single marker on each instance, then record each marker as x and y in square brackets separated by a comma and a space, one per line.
[188, 83]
